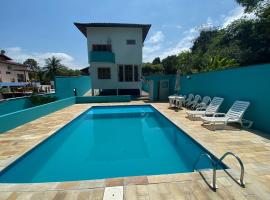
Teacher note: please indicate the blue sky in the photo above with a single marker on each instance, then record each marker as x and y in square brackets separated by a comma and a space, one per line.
[39, 29]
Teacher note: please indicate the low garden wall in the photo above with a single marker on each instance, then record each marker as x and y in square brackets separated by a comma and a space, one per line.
[249, 83]
[14, 119]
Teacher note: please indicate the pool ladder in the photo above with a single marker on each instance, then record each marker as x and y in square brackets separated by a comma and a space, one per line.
[215, 164]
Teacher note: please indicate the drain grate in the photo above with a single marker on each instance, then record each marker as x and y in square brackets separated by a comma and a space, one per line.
[113, 193]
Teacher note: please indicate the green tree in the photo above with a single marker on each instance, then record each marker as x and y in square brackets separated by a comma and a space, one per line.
[156, 61]
[150, 69]
[33, 67]
[52, 67]
[170, 64]
[249, 5]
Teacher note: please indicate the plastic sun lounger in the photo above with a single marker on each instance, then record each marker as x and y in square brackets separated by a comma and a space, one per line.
[203, 105]
[195, 102]
[234, 115]
[188, 100]
[209, 110]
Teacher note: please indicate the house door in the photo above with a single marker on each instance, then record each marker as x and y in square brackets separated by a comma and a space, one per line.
[163, 91]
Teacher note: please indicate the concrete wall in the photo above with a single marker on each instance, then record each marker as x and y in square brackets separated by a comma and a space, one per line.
[64, 89]
[124, 54]
[251, 83]
[65, 85]
[13, 105]
[14, 119]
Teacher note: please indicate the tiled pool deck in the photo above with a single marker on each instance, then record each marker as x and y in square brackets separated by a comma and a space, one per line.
[253, 149]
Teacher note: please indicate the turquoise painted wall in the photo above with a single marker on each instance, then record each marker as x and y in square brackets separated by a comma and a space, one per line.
[12, 105]
[65, 85]
[156, 78]
[64, 89]
[251, 83]
[14, 119]
[102, 99]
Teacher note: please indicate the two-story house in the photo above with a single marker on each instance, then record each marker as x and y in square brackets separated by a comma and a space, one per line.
[11, 71]
[115, 55]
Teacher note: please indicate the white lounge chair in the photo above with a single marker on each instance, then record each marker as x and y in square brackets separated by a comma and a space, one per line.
[205, 102]
[188, 99]
[234, 115]
[195, 102]
[210, 110]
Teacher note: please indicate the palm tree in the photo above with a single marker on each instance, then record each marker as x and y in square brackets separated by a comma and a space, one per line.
[52, 67]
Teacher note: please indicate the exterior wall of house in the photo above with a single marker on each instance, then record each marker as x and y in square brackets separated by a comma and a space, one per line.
[122, 53]
[14, 71]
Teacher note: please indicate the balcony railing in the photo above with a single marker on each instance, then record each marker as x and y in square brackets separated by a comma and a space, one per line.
[102, 56]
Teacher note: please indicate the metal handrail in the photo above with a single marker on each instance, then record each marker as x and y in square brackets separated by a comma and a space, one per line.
[214, 165]
[241, 180]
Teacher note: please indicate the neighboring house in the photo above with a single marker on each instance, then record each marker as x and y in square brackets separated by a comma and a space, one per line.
[115, 55]
[11, 71]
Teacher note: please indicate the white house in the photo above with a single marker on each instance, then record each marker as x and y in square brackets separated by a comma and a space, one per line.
[11, 71]
[115, 55]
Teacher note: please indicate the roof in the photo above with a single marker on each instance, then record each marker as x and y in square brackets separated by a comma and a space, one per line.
[13, 63]
[83, 27]
[5, 57]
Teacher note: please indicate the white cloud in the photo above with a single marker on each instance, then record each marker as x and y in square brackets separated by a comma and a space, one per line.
[156, 38]
[20, 55]
[153, 45]
[237, 13]
[183, 45]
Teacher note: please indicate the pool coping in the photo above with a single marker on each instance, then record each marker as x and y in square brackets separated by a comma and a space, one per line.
[108, 182]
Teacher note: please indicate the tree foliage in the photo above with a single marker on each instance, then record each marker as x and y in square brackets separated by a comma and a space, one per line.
[243, 42]
[53, 67]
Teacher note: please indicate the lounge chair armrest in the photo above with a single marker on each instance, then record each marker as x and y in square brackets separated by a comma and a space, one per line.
[219, 115]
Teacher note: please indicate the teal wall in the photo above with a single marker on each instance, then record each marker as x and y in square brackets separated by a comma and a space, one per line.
[251, 83]
[102, 99]
[157, 78]
[101, 56]
[14, 119]
[65, 85]
[12, 105]
[64, 89]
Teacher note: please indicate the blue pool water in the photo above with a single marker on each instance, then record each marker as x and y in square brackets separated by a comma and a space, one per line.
[107, 142]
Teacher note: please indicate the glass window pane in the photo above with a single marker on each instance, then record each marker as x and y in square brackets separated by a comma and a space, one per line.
[128, 73]
[121, 73]
[136, 73]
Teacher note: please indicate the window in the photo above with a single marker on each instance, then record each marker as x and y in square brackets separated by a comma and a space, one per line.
[12, 80]
[104, 73]
[131, 42]
[120, 73]
[136, 73]
[8, 72]
[9, 67]
[20, 77]
[102, 47]
[128, 73]
[1, 79]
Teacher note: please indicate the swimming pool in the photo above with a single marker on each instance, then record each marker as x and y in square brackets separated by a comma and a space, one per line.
[106, 142]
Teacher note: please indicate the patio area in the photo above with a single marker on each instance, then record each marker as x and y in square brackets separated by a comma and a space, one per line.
[253, 148]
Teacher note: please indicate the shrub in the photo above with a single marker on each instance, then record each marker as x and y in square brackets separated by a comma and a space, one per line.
[39, 100]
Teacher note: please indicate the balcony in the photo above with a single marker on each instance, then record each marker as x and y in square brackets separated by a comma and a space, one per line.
[101, 56]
